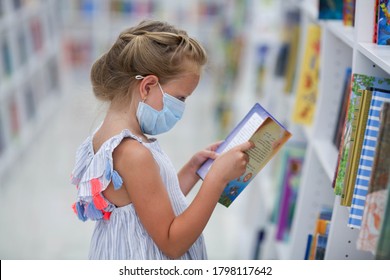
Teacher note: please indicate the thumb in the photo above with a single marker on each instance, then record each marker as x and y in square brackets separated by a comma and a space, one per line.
[211, 154]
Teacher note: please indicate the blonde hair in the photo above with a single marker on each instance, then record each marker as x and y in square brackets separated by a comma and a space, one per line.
[150, 48]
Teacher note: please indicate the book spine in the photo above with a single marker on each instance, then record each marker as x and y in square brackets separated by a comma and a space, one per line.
[356, 148]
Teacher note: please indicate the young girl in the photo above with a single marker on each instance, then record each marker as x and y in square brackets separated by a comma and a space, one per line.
[125, 182]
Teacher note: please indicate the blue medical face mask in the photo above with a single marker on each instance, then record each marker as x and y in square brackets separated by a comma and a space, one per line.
[155, 122]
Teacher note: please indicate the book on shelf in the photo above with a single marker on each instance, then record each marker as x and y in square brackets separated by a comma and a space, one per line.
[366, 166]
[330, 9]
[7, 58]
[262, 53]
[337, 136]
[360, 83]
[358, 127]
[383, 23]
[289, 174]
[317, 246]
[375, 31]
[307, 91]
[374, 201]
[383, 245]
[308, 246]
[349, 12]
[291, 33]
[268, 136]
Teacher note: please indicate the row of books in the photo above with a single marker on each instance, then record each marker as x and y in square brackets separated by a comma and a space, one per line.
[339, 10]
[345, 10]
[318, 239]
[19, 45]
[19, 106]
[362, 173]
[370, 156]
[29, 70]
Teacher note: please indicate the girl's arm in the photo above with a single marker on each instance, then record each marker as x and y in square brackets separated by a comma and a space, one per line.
[187, 174]
[174, 235]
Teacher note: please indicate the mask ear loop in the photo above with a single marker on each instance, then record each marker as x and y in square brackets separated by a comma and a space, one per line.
[139, 77]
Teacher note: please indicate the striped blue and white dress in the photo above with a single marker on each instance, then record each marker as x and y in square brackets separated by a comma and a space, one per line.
[119, 233]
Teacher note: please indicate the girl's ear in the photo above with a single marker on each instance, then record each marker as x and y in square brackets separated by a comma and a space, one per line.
[146, 84]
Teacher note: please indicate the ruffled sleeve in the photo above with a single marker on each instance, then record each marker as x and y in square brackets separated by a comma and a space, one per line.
[92, 174]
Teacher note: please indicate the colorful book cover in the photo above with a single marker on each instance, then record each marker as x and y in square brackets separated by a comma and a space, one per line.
[358, 125]
[368, 154]
[360, 82]
[268, 136]
[372, 221]
[321, 229]
[349, 12]
[383, 25]
[347, 139]
[338, 133]
[383, 244]
[290, 172]
[306, 96]
[330, 9]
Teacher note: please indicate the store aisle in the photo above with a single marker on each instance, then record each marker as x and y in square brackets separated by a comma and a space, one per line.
[37, 221]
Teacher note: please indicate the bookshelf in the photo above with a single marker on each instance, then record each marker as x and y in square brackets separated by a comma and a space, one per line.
[340, 47]
[30, 77]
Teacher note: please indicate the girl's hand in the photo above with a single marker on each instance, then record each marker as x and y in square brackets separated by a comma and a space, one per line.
[232, 164]
[200, 157]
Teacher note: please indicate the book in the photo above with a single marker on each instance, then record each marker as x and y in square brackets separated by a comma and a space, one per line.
[307, 91]
[261, 68]
[349, 12]
[291, 166]
[375, 33]
[268, 136]
[380, 167]
[291, 33]
[321, 231]
[360, 82]
[358, 125]
[372, 221]
[375, 199]
[337, 136]
[7, 57]
[330, 9]
[292, 59]
[367, 155]
[309, 243]
[347, 137]
[383, 245]
[383, 23]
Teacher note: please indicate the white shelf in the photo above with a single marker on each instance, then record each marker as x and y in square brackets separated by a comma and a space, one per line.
[344, 33]
[379, 55]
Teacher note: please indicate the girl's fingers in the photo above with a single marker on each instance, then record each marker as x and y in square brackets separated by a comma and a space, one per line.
[246, 146]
